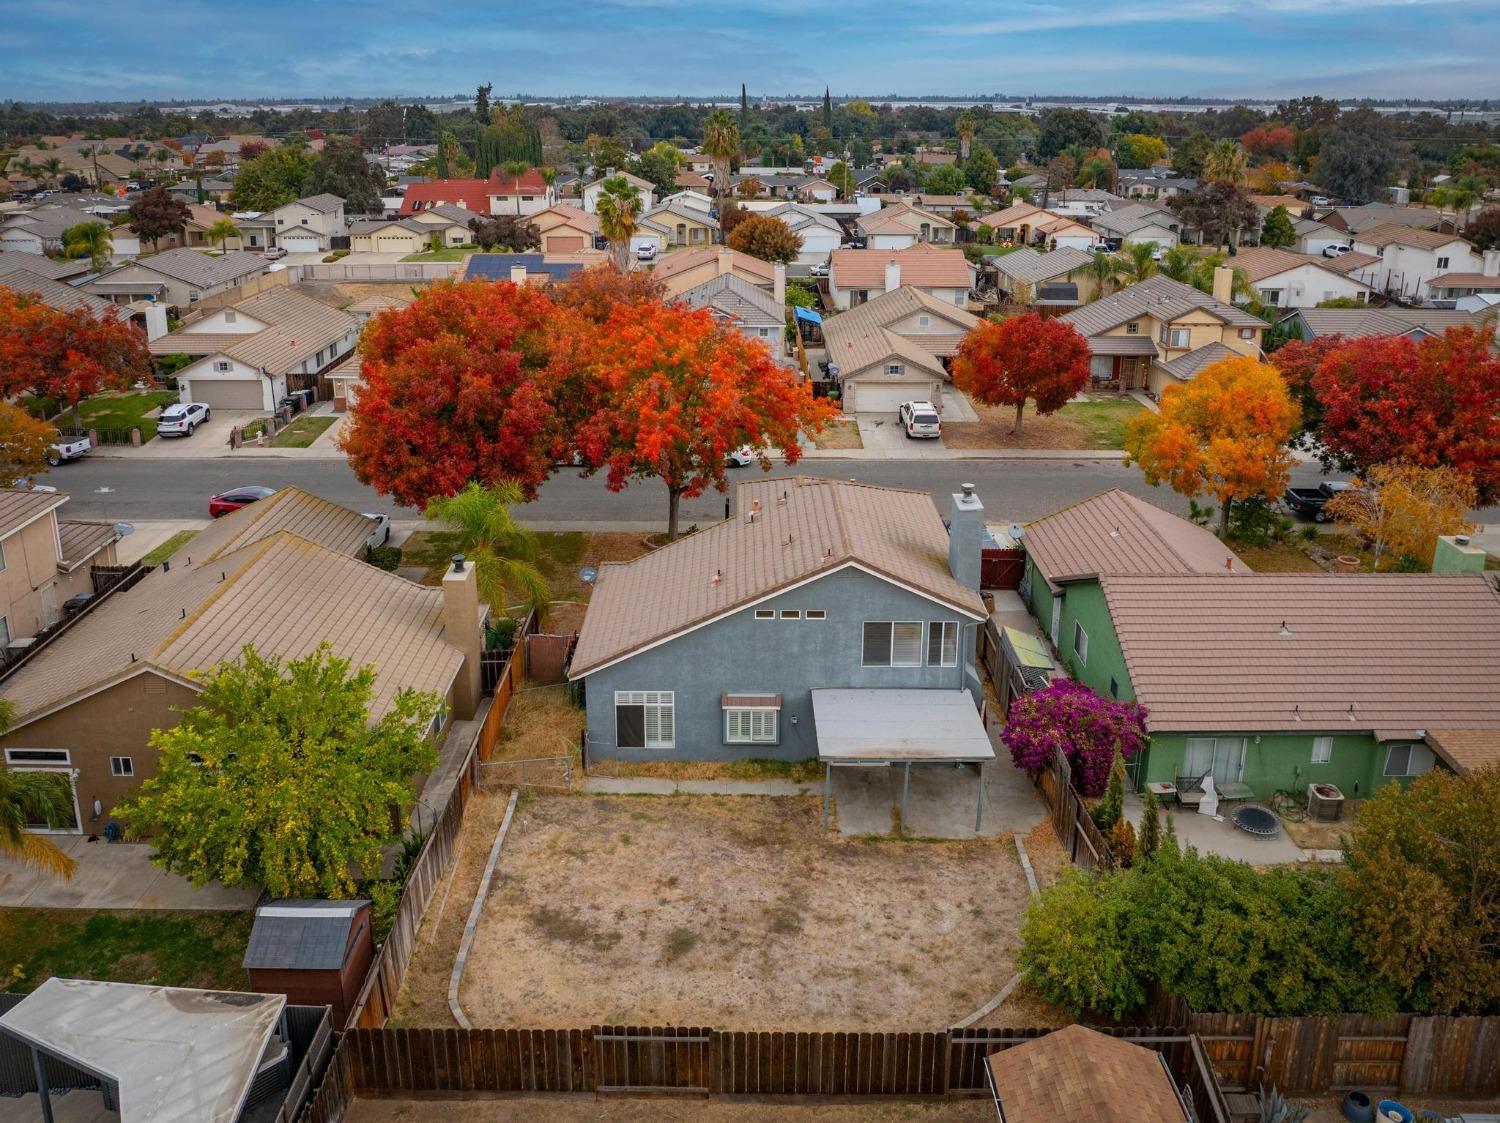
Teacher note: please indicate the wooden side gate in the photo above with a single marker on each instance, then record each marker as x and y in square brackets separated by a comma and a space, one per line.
[656, 1059]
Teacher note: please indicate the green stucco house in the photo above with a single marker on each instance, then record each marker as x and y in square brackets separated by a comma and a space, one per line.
[1273, 681]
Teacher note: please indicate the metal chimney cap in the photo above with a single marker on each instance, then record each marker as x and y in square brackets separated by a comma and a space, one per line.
[458, 563]
[968, 490]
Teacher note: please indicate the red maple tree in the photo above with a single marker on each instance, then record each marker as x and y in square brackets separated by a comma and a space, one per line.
[66, 355]
[1298, 361]
[681, 393]
[1434, 403]
[1006, 362]
[458, 386]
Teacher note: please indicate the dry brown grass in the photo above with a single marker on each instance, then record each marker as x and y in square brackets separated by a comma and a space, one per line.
[562, 575]
[995, 426]
[1279, 557]
[563, 1109]
[541, 721]
[796, 771]
[839, 434]
[706, 910]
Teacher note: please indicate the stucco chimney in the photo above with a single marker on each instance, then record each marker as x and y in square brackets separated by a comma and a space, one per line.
[461, 630]
[892, 276]
[156, 321]
[725, 261]
[518, 274]
[965, 534]
[1223, 284]
[1456, 553]
[1492, 263]
[778, 282]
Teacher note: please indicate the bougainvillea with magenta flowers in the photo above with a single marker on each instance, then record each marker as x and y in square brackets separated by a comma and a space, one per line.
[1087, 728]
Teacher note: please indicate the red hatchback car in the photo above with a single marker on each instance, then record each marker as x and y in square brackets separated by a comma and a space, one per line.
[235, 498]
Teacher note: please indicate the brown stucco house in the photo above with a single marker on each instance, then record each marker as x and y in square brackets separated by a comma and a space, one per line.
[282, 575]
[44, 561]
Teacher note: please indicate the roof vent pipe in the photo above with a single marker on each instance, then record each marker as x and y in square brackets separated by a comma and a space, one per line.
[458, 563]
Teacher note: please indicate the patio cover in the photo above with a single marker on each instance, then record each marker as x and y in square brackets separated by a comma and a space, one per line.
[1029, 655]
[174, 1054]
[899, 727]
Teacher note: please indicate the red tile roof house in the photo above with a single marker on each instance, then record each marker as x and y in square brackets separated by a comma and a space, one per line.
[502, 193]
[1269, 681]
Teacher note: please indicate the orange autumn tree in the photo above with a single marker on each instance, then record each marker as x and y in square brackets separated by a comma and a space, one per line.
[1223, 434]
[66, 355]
[458, 386]
[1003, 363]
[680, 392]
[24, 444]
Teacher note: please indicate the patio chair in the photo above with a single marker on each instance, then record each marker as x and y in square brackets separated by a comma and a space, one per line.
[1190, 791]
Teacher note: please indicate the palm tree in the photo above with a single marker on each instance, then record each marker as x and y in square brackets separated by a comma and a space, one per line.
[30, 797]
[617, 208]
[964, 126]
[1459, 196]
[503, 551]
[1181, 263]
[221, 231]
[1225, 162]
[1106, 269]
[721, 143]
[91, 240]
[53, 167]
[1139, 262]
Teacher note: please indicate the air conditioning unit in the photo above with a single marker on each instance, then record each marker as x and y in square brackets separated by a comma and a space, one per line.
[1325, 803]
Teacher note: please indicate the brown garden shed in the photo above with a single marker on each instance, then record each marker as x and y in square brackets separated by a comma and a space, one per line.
[314, 952]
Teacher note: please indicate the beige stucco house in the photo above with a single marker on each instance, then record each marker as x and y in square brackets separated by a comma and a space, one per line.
[687, 269]
[893, 347]
[44, 560]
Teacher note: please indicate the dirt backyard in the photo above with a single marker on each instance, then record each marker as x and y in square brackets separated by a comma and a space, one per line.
[725, 911]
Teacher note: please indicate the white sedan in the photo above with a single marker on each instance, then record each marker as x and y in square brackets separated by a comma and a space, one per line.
[381, 534]
[742, 457]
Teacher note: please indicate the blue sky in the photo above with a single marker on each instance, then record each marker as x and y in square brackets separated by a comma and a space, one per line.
[67, 49]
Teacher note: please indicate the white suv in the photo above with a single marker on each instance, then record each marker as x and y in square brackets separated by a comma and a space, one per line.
[180, 420]
[920, 419]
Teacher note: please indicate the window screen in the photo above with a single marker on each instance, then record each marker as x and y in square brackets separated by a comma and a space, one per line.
[942, 643]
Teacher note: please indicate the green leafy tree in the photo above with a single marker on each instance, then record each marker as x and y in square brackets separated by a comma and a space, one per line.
[1225, 162]
[1148, 841]
[271, 179]
[1139, 262]
[1105, 269]
[660, 164]
[981, 169]
[1189, 156]
[842, 177]
[1109, 809]
[944, 179]
[1062, 129]
[341, 169]
[1076, 946]
[1278, 230]
[503, 551]
[1359, 156]
[279, 778]
[221, 231]
[1423, 876]
[90, 240]
[1139, 150]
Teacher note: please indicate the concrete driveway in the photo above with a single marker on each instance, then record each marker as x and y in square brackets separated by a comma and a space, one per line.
[209, 439]
[116, 875]
[940, 803]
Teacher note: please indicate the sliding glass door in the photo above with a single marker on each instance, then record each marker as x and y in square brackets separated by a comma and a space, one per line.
[1222, 756]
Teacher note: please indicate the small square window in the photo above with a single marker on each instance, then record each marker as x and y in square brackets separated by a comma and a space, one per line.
[121, 766]
[894, 368]
[221, 365]
[1247, 333]
[816, 614]
[1133, 328]
[230, 317]
[791, 614]
[765, 614]
[1322, 750]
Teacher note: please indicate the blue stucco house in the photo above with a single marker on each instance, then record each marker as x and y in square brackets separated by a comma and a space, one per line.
[826, 619]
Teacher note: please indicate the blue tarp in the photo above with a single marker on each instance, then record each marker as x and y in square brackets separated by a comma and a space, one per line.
[807, 314]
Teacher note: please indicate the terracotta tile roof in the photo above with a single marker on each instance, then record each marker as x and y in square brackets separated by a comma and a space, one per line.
[1347, 263]
[1466, 750]
[829, 524]
[17, 507]
[472, 194]
[1357, 323]
[1078, 1075]
[1465, 280]
[196, 268]
[736, 297]
[1259, 262]
[1016, 212]
[900, 218]
[52, 293]
[279, 574]
[564, 215]
[1391, 652]
[680, 261]
[862, 337]
[921, 265]
[1159, 297]
[1184, 367]
[300, 325]
[1393, 233]
[1117, 533]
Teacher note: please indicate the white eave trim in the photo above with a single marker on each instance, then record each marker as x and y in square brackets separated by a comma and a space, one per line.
[574, 676]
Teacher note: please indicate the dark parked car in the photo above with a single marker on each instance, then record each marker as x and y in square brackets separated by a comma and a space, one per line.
[1309, 501]
[234, 499]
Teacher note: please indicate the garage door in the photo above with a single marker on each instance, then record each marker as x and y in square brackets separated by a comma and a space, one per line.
[299, 243]
[864, 398]
[235, 394]
[565, 245]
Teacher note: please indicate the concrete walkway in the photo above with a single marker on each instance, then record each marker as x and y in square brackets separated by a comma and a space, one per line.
[646, 785]
[112, 875]
[940, 803]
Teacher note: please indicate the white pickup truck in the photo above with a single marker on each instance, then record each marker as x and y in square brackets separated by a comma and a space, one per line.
[68, 448]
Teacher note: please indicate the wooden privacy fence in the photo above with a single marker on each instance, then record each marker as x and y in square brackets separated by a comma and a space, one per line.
[1405, 1053]
[1083, 841]
[701, 1061]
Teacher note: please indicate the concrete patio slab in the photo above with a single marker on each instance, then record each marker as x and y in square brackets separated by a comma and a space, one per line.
[940, 802]
[1209, 836]
[112, 876]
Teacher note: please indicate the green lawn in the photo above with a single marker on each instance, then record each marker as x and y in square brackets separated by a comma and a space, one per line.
[125, 411]
[169, 547]
[303, 431]
[448, 253]
[1105, 421]
[183, 949]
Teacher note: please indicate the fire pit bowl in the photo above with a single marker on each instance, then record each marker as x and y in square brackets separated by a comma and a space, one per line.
[1254, 819]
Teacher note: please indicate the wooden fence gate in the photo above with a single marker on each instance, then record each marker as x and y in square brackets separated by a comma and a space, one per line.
[660, 1059]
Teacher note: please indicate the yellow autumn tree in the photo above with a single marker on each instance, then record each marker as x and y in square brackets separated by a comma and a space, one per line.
[1399, 510]
[1223, 434]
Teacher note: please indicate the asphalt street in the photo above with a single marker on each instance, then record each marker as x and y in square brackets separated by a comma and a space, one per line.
[1011, 490]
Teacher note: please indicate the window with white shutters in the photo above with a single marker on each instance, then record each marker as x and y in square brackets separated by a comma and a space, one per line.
[644, 719]
[746, 725]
